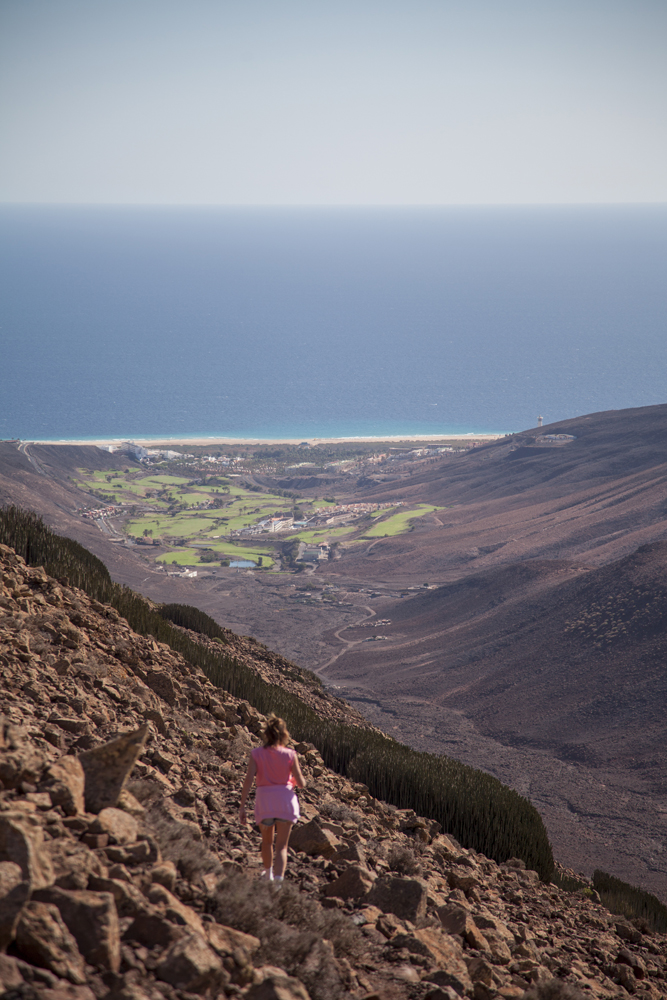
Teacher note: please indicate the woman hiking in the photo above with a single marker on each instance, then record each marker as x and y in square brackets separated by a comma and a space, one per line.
[278, 774]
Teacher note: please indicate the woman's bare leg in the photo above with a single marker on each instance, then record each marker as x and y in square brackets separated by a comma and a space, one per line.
[267, 846]
[283, 830]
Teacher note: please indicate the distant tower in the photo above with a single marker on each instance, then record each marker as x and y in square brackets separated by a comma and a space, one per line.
[539, 420]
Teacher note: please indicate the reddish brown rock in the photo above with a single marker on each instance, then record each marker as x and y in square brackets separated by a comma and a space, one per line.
[22, 842]
[93, 920]
[64, 780]
[174, 909]
[74, 864]
[152, 929]
[354, 883]
[461, 878]
[43, 939]
[190, 964]
[164, 686]
[141, 852]
[226, 941]
[456, 919]
[78, 727]
[130, 902]
[313, 840]
[120, 827]
[350, 852]
[164, 874]
[404, 897]
[14, 893]
[10, 973]
[19, 761]
[276, 985]
[108, 767]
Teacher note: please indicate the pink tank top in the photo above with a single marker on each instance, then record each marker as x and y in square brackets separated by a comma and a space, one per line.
[274, 766]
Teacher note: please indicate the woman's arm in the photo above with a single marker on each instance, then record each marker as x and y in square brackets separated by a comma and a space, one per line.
[298, 774]
[245, 791]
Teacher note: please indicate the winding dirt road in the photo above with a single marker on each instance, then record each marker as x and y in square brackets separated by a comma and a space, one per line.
[348, 643]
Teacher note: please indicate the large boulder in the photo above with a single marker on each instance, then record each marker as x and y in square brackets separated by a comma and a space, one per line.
[92, 919]
[42, 938]
[354, 883]
[190, 964]
[108, 767]
[312, 839]
[404, 897]
[119, 825]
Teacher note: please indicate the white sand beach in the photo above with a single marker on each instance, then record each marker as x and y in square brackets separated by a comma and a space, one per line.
[240, 442]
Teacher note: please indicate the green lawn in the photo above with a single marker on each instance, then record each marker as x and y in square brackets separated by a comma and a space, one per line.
[163, 481]
[191, 498]
[190, 557]
[242, 508]
[321, 535]
[231, 551]
[182, 557]
[398, 523]
[181, 525]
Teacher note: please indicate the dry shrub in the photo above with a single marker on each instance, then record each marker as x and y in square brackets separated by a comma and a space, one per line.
[403, 860]
[181, 842]
[338, 812]
[293, 929]
[376, 850]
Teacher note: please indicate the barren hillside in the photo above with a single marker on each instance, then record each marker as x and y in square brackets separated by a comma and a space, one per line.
[125, 874]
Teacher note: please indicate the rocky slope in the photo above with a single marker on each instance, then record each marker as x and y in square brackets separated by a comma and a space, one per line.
[125, 875]
[278, 670]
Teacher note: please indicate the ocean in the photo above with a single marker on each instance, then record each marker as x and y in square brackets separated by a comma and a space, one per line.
[122, 322]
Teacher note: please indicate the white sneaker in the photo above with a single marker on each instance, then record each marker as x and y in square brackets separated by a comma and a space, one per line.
[267, 875]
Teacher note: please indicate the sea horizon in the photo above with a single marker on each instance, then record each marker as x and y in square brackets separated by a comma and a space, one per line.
[279, 323]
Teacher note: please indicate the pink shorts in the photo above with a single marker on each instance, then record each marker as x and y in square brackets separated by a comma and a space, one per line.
[276, 802]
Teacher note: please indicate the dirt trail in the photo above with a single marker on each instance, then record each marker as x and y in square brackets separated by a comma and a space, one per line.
[348, 643]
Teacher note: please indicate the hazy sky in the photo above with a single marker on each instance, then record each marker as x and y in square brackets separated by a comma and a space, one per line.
[333, 101]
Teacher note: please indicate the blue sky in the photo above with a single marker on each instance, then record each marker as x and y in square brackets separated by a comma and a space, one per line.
[333, 103]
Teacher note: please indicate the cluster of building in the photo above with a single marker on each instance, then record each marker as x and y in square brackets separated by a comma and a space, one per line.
[346, 512]
[554, 438]
[270, 525]
[314, 553]
[109, 511]
[329, 516]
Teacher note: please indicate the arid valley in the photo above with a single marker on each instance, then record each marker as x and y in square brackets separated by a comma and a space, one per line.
[521, 620]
